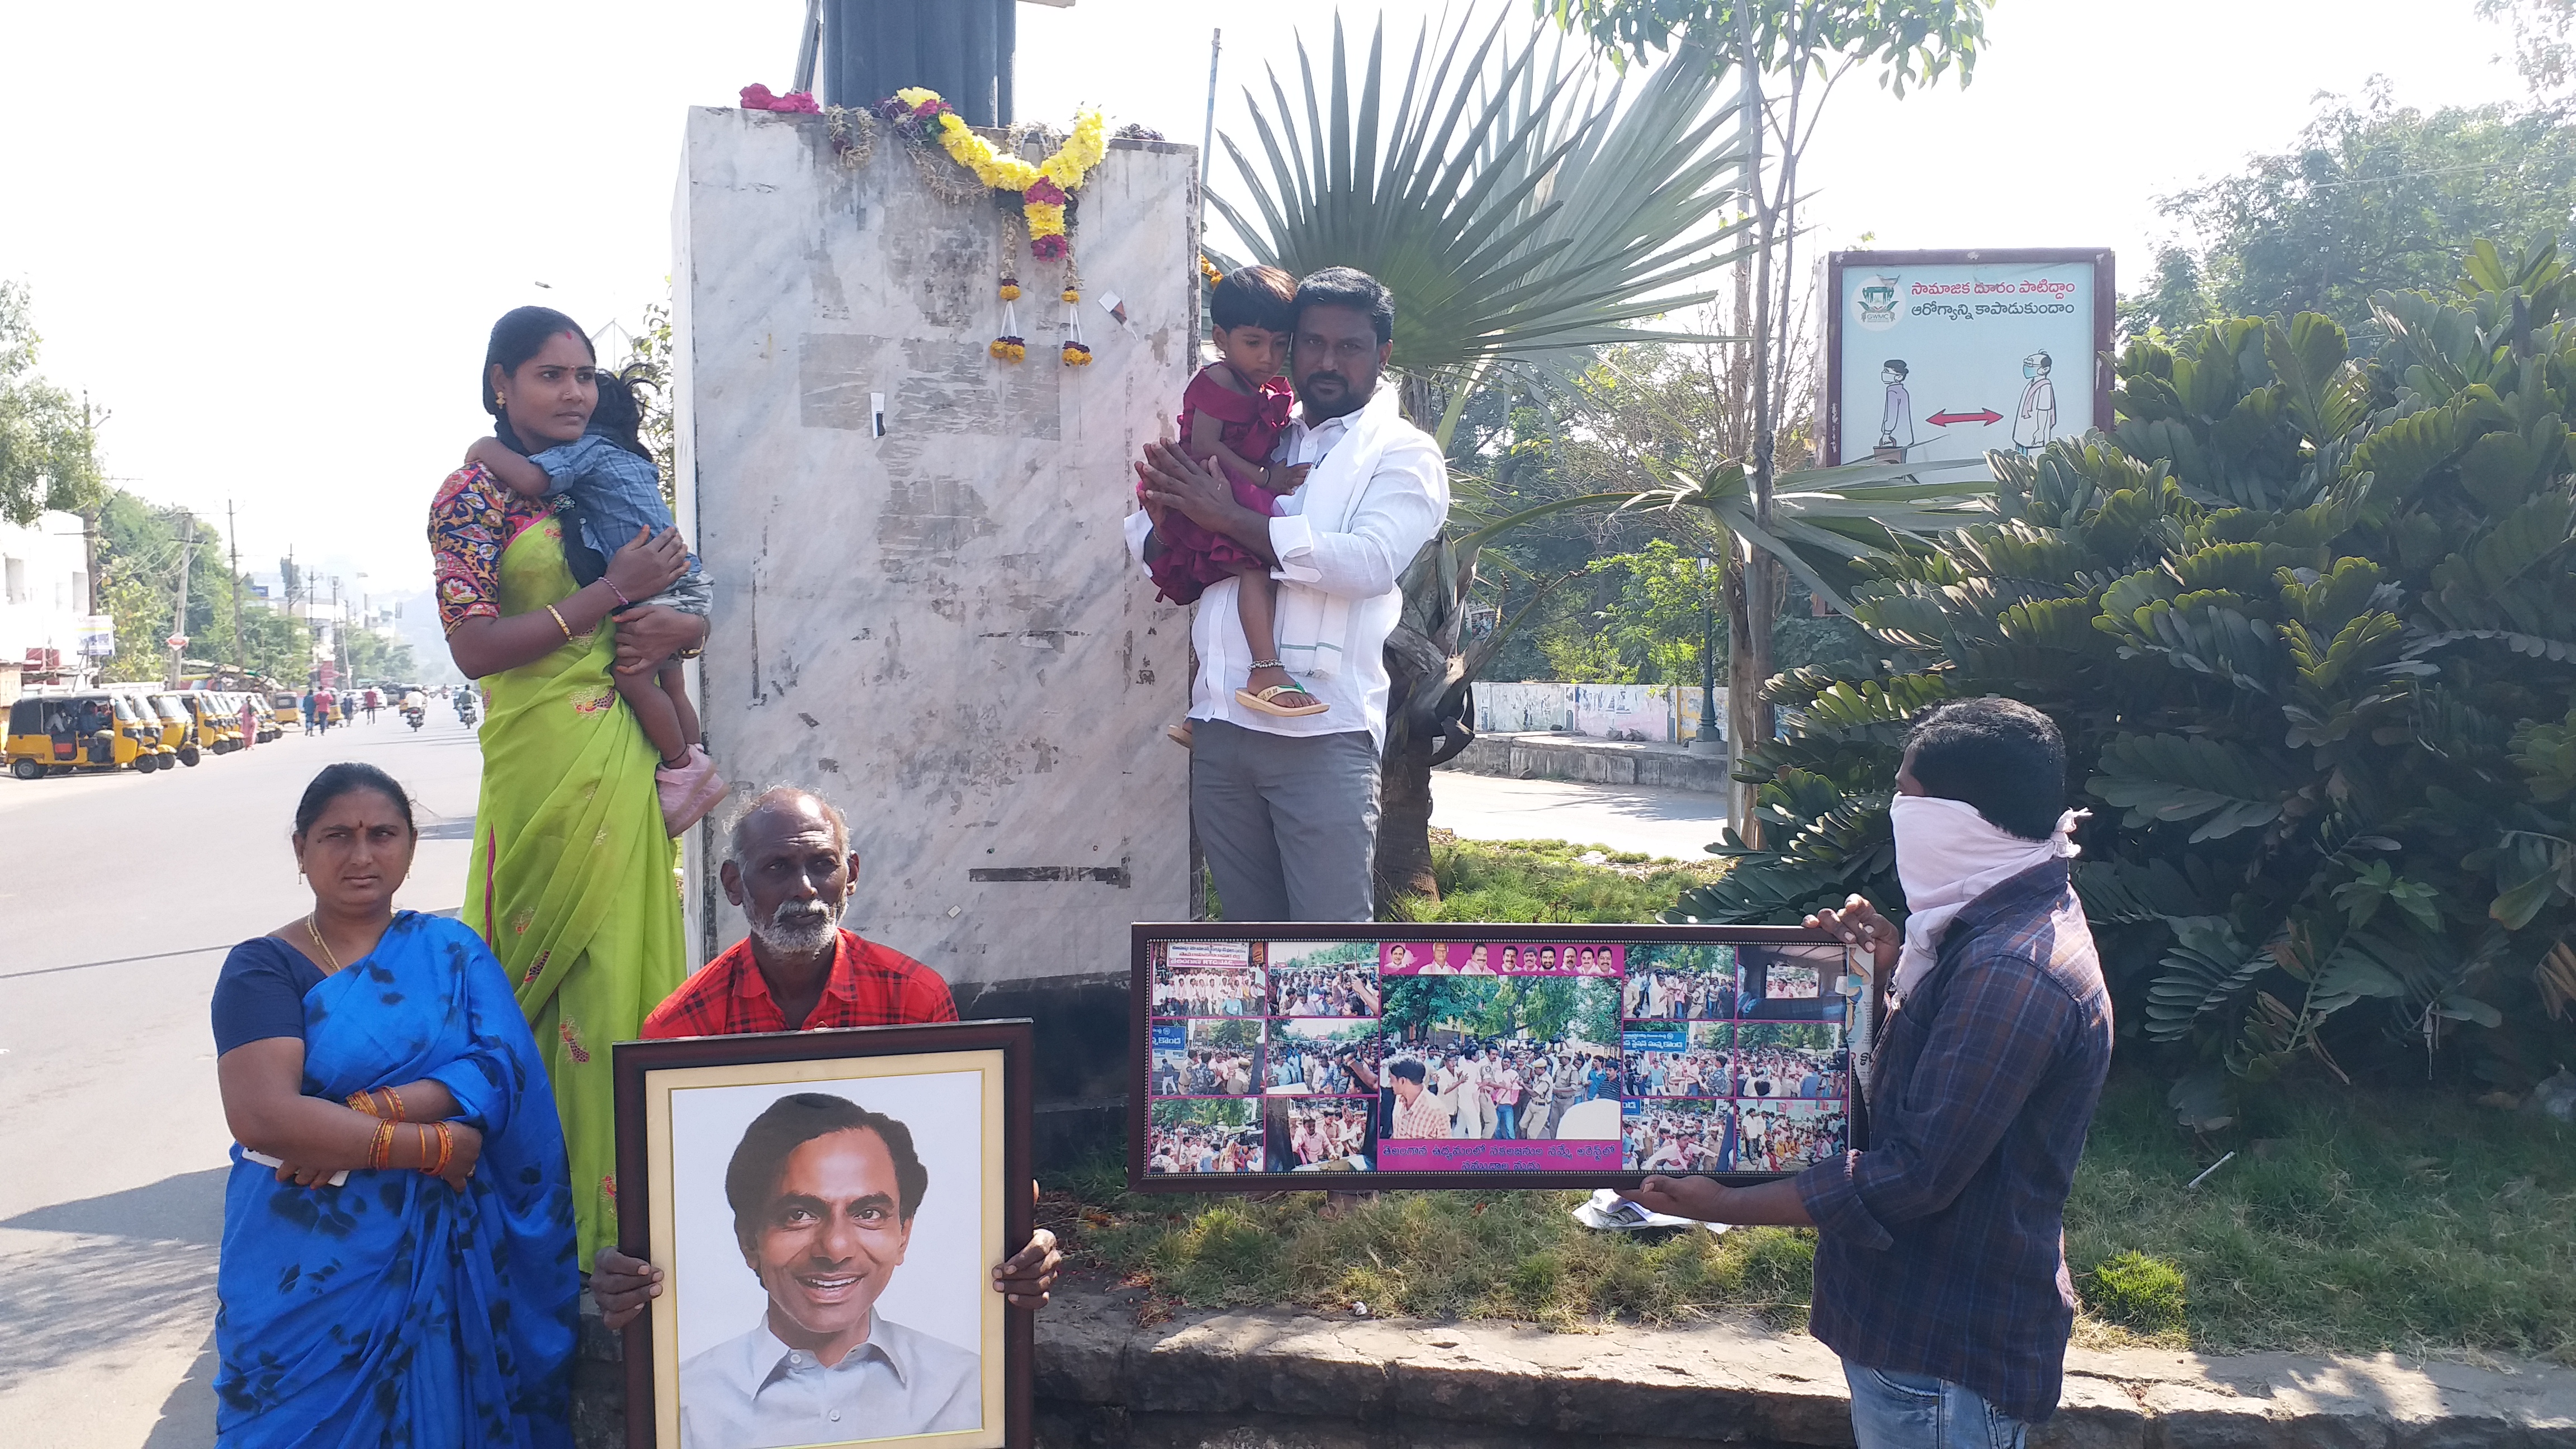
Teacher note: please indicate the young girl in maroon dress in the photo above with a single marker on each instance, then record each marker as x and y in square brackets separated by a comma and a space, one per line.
[1232, 415]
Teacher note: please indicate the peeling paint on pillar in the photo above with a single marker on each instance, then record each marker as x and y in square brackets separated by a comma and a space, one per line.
[947, 610]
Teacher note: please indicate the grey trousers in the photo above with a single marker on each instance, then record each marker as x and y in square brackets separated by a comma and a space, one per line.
[1289, 823]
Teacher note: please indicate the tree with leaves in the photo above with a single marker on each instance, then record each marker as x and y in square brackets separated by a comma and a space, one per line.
[2374, 197]
[48, 454]
[2308, 622]
[1790, 56]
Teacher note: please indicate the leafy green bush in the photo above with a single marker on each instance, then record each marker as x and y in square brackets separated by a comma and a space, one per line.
[2137, 1292]
[2309, 625]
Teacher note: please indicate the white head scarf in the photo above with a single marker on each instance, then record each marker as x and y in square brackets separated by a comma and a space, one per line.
[1947, 855]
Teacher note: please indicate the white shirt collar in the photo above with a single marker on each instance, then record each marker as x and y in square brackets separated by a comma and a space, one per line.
[768, 1358]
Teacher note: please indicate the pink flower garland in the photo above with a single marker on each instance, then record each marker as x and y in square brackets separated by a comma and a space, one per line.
[757, 97]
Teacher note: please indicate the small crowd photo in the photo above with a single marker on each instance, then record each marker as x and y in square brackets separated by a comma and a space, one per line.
[1320, 1134]
[1784, 1136]
[1324, 1056]
[1218, 1057]
[1678, 1137]
[1184, 990]
[1802, 1059]
[1688, 1059]
[1215, 1136]
[1680, 983]
[1323, 978]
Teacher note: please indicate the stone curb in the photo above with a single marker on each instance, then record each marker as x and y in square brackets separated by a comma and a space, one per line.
[1730, 1384]
[1273, 1379]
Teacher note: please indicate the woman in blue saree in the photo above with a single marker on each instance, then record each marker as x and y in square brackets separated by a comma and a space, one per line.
[400, 1272]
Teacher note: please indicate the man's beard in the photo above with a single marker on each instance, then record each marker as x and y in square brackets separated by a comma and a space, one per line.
[1354, 395]
[799, 928]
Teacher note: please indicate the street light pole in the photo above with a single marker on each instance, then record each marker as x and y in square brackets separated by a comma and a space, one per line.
[1710, 742]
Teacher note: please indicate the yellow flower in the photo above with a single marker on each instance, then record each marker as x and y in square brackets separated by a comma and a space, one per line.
[1045, 219]
[914, 95]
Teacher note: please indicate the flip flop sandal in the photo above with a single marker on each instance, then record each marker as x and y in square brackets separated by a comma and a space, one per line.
[1265, 702]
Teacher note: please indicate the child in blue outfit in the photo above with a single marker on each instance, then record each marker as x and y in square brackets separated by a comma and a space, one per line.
[613, 490]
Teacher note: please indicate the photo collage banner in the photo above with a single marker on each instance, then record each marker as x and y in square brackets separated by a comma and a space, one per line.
[1493, 1057]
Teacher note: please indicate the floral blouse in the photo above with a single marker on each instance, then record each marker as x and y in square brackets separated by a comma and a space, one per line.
[471, 521]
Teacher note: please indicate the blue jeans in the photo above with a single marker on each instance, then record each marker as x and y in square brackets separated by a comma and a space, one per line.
[1916, 1411]
[1507, 1120]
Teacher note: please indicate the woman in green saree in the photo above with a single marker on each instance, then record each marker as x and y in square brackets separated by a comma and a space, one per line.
[572, 884]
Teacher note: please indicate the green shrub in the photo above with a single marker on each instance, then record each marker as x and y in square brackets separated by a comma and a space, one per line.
[2309, 625]
[2137, 1292]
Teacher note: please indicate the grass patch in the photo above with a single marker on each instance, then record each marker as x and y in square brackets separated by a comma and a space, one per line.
[1550, 881]
[2349, 1221]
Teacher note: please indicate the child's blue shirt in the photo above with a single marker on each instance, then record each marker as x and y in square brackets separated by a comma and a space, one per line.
[616, 491]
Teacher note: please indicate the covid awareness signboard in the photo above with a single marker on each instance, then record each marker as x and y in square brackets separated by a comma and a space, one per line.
[1956, 354]
[1270, 1056]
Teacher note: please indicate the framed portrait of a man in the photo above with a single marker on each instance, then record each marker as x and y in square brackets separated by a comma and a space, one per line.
[827, 1207]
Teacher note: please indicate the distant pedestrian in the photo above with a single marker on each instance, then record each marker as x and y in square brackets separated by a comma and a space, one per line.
[312, 712]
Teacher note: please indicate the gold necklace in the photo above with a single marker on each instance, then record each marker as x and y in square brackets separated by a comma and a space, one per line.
[311, 930]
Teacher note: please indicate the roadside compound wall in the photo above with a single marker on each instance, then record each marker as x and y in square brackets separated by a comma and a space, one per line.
[923, 606]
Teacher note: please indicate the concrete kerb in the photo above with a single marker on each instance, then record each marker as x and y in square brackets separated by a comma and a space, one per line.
[1266, 1377]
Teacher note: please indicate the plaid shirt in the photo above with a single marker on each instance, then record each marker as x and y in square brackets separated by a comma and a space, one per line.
[870, 985]
[1941, 1249]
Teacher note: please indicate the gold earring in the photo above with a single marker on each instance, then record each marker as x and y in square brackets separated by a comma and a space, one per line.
[499, 401]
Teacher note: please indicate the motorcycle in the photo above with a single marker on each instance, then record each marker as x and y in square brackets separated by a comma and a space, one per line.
[466, 711]
[414, 714]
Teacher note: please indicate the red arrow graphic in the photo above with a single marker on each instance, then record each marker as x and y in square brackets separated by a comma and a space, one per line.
[1982, 415]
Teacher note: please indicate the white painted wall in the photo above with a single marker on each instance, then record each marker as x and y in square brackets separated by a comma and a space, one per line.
[937, 628]
[44, 587]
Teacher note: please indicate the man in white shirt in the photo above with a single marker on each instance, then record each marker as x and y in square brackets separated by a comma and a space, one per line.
[1287, 807]
[824, 1193]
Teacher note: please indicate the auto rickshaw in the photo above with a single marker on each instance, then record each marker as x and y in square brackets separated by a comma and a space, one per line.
[178, 732]
[56, 734]
[286, 710]
[176, 718]
[219, 732]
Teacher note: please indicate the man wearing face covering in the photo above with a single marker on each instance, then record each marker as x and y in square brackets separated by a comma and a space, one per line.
[1940, 1257]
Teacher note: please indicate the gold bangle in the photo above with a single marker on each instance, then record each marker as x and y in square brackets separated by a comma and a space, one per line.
[559, 622]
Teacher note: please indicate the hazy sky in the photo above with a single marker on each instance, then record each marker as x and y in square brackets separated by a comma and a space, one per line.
[270, 238]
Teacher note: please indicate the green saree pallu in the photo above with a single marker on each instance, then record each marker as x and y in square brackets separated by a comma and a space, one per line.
[574, 879]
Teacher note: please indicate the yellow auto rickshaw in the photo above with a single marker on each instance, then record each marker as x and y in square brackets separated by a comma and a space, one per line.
[286, 710]
[178, 732]
[56, 734]
[177, 717]
[218, 731]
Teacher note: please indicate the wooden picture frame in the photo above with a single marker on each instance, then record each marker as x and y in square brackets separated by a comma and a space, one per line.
[683, 1109]
[1839, 1007]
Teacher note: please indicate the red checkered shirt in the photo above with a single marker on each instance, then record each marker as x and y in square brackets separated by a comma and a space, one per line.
[870, 985]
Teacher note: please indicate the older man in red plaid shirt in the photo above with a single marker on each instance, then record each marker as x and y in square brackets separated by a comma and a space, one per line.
[792, 871]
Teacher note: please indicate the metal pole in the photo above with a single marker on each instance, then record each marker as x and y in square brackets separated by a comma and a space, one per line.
[232, 536]
[179, 604]
[1207, 132]
[1710, 740]
[809, 44]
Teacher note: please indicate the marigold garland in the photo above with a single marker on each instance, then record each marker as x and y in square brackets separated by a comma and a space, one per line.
[1043, 187]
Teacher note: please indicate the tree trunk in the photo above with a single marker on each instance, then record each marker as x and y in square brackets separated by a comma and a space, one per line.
[1403, 865]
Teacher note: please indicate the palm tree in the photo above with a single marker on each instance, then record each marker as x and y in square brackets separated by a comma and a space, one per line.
[1528, 206]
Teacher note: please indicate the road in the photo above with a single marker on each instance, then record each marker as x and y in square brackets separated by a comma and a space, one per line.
[119, 895]
[1673, 823]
